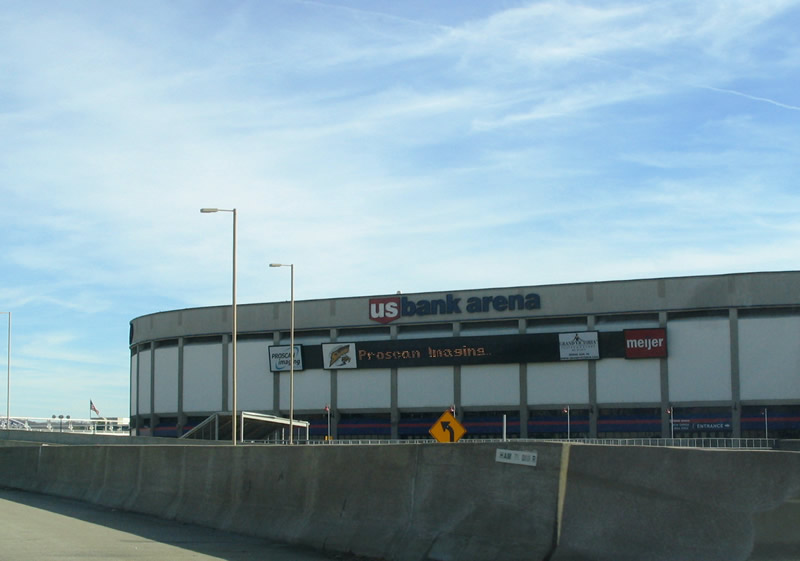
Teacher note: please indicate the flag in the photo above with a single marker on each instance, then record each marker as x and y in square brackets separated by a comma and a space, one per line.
[93, 408]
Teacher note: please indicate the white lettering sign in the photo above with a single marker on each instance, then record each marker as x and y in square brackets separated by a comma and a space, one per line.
[519, 457]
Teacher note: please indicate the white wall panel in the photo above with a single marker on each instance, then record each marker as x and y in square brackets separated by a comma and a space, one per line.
[430, 386]
[364, 389]
[255, 381]
[312, 389]
[558, 382]
[699, 359]
[628, 381]
[166, 379]
[769, 358]
[495, 384]
[202, 372]
[145, 358]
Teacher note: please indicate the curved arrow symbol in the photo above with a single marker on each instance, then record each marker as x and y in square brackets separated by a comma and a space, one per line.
[446, 426]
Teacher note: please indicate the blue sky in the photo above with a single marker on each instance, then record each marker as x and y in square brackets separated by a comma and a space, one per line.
[379, 146]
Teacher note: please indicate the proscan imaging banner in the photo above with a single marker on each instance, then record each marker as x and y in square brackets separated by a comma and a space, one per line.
[280, 359]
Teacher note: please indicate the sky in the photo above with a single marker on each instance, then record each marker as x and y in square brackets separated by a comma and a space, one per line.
[378, 146]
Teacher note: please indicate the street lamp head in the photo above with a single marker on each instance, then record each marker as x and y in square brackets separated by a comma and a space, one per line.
[208, 210]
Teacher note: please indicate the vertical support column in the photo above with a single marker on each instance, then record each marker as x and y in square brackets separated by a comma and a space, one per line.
[181, 421]
[736, 388]
[276, 380]
[226, 339]
[666, 429]
[524, 413]
[135, 416]
[593, 412]
[457, 378]
[394, 410]
[153, 418]
[334, 335]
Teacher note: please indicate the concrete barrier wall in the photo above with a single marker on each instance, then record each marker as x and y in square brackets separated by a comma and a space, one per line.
[445, 502]
[408, 502]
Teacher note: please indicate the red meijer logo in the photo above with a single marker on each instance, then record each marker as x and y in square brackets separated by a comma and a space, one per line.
[384, 310]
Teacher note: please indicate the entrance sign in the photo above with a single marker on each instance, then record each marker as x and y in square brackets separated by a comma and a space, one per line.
[447, 428]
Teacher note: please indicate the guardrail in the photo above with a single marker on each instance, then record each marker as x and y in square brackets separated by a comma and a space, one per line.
[112, 426]
[728, 443]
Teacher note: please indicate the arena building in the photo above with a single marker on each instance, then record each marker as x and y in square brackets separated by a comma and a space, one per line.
[705, 356]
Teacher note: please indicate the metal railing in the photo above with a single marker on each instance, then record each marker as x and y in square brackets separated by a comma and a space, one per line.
[112, 426]
[726, 443]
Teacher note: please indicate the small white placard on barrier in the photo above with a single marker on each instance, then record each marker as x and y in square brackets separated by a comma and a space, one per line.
[519, 457]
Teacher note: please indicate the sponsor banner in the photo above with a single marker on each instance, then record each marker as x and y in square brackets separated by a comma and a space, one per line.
[443, 351]
[385, 310]
[280, 358]
[339, 355]
[645, 343]
[579, 346]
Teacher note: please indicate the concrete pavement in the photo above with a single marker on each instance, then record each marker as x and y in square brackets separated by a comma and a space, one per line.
[41, 528]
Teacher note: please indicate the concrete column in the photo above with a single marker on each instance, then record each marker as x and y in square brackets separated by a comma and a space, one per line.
[181, 421]
[590, 325]
[153, 419]
[523, 389]
[334, 378]
[394, 410]
[276, 380]
[226, 339]
[736, 388]
[666, 430]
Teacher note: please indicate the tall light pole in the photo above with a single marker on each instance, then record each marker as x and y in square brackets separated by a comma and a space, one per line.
[234, 422]
[8, 375]
[291, 352]
[567, 411]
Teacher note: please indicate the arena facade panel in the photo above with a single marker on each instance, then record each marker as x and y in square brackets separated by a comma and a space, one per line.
[703, 356]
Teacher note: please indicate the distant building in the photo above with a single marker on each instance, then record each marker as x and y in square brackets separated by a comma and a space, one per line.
[706, 356]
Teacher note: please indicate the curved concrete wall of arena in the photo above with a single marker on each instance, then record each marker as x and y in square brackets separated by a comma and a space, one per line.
[466, 501]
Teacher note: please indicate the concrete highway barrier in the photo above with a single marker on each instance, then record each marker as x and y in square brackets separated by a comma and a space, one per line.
[467, 501]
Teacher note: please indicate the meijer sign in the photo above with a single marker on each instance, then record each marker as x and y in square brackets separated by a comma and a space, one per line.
[645, 343]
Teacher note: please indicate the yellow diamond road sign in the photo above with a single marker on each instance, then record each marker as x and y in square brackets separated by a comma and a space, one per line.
[447, 428]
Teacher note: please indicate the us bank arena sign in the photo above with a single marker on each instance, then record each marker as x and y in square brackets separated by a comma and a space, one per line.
[385, 310]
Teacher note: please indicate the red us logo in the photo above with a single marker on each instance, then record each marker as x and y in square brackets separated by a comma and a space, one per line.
[384, 310]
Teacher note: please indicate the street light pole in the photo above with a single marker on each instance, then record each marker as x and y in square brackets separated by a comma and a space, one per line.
[234, 421]
[8, 375]
[291, 352]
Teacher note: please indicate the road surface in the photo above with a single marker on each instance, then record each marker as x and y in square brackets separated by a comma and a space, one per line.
[44, 528]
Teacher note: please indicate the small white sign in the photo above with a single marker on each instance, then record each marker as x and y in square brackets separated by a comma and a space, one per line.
[519, 457]
[579, 346]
